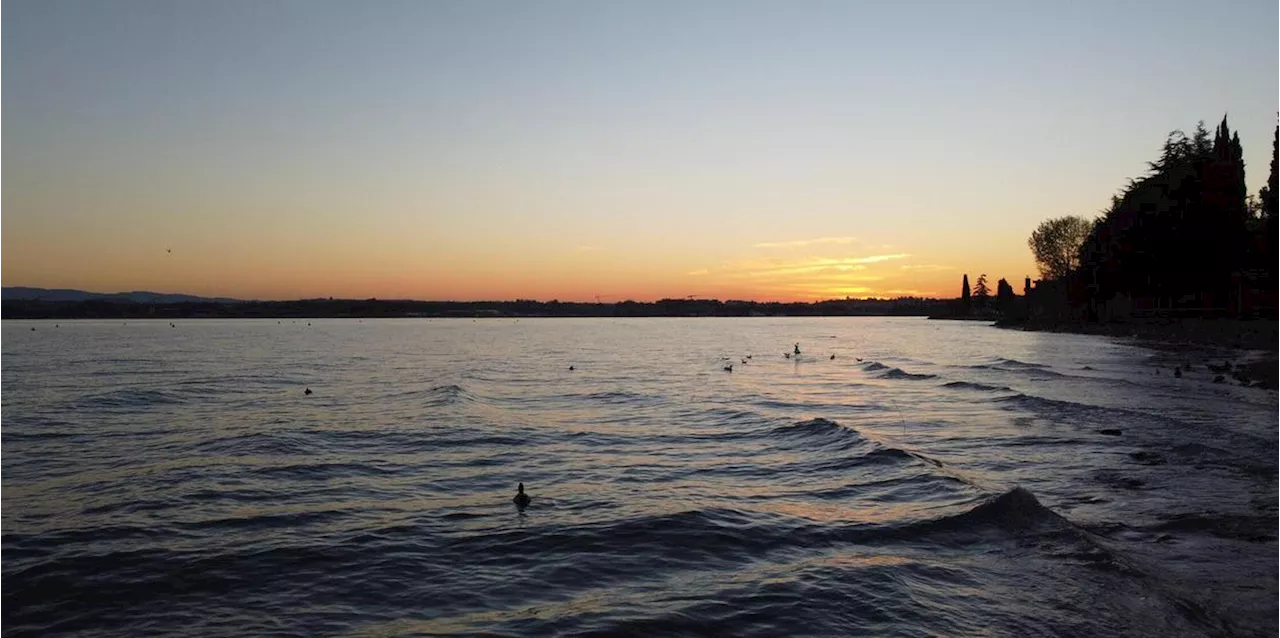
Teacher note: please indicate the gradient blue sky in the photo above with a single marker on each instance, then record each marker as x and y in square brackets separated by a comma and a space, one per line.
[483, 149]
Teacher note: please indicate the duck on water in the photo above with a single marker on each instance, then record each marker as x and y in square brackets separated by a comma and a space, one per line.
[521, 499]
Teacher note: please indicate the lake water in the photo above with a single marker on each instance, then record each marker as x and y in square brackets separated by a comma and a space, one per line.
[953, 481]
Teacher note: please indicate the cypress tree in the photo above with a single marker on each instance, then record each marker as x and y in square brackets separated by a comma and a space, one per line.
[1268, 197]
[964, 295]
[1222, 217]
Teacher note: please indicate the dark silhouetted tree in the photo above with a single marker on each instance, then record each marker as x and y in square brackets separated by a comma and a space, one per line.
[1267, 204]
[1056, 245]
[1179, 235]
[981, 292]
[1267, 195]
[964, 295]
[1004, 297]
[1223, 219]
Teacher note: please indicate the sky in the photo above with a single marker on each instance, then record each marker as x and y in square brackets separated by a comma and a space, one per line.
[569, 149]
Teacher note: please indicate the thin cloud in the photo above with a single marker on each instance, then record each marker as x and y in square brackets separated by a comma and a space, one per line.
[878, 258]
[768, 269]
[810, 277]
[800, 243]
[926, 267]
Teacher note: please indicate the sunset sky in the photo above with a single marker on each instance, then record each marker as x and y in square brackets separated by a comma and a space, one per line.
[567, 149]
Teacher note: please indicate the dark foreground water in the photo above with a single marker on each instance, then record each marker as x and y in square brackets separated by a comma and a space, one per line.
[955, 481]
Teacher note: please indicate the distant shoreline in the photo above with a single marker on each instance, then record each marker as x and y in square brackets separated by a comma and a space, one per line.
[374, 308]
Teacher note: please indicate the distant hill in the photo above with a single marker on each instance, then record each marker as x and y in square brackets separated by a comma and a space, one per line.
[21, 293]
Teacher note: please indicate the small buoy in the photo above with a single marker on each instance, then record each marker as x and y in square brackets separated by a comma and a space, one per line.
[307, 391]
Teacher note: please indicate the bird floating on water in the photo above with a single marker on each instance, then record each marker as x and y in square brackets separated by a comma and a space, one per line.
[521, 499]
[786, 355]
[571, 368]
[858, 358]
[833, 356]
[307, 392]
[797, 348]
[728, 368]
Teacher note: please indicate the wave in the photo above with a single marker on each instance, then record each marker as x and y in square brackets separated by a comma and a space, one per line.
[322, 470]
[132, 398]
[970, 385]
[1014, 363]
[1096, 415]
[1232, 526]
[824, 432]
[256, 444]
[821, 431]
[874, 365]
[1016, 512]
[443, 395]
[39, 434]
[898, 373]
[723, 532]
[617, 397]
[895, 454]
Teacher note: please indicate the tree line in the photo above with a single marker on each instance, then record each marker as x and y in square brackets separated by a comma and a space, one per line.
[979, 301]
[317, 308]
[1185, 236]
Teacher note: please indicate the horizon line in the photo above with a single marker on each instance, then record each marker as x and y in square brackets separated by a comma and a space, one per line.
[215, 298]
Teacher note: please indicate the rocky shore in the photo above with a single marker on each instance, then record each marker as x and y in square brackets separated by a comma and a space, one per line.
[1249, 346]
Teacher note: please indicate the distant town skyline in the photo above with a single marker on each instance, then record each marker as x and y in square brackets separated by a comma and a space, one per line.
[569, 149]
